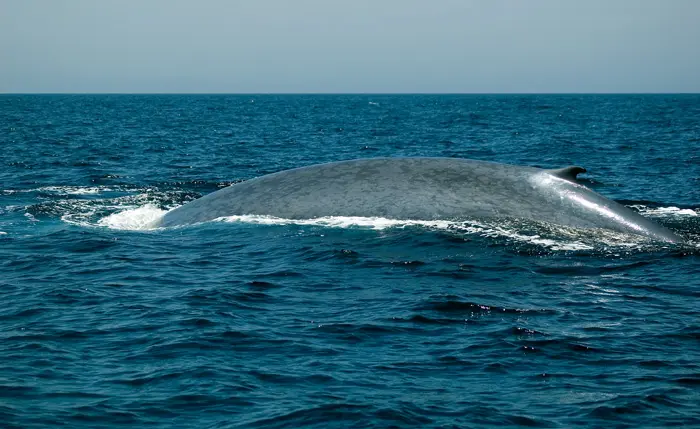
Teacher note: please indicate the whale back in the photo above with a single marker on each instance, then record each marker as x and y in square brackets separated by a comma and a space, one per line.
[420, 188]
[398, 188]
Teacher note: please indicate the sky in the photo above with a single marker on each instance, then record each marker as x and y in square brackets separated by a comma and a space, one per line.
[349, 46]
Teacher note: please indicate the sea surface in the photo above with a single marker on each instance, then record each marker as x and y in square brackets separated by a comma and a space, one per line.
[257, 322]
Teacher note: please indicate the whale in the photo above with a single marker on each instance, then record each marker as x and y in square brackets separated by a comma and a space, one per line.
[422, 188]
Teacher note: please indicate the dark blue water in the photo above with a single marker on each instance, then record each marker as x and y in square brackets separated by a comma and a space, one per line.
[258, 322]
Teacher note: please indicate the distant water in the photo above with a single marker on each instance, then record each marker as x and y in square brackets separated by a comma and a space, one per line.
[340, 322]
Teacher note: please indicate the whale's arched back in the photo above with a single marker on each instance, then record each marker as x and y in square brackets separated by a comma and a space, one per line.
[423, 189]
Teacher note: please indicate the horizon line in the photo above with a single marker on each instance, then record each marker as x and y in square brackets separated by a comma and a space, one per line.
[347, 93]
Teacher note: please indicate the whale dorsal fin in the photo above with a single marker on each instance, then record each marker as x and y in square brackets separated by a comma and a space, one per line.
[567, 173]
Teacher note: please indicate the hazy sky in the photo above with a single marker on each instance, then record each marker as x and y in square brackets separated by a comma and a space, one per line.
[350, 46]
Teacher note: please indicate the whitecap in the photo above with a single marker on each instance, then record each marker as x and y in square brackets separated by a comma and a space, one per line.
[62, 190]
[135, 219]
[666, 211]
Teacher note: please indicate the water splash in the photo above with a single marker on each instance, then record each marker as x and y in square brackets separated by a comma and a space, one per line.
[137, 219]
[666, 211]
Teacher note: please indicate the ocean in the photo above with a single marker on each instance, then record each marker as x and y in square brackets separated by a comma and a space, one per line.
[258, 322]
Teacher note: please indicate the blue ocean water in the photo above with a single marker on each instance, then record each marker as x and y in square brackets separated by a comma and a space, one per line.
[257, 322]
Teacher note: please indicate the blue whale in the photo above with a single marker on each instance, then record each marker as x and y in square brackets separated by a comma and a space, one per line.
[421, 189]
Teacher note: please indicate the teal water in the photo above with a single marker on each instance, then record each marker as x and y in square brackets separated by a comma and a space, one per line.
[257, 322]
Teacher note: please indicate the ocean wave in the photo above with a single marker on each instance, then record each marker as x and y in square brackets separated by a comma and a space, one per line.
[65, 190]
[670, 211]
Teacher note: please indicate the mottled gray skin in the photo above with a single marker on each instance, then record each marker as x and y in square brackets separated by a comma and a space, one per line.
[423, 189]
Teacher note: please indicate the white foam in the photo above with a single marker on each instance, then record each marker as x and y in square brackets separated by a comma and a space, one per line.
[134, 219]
[666, 211]
[145, 217]
[74, 190]
[378, 223]
[62, 190]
